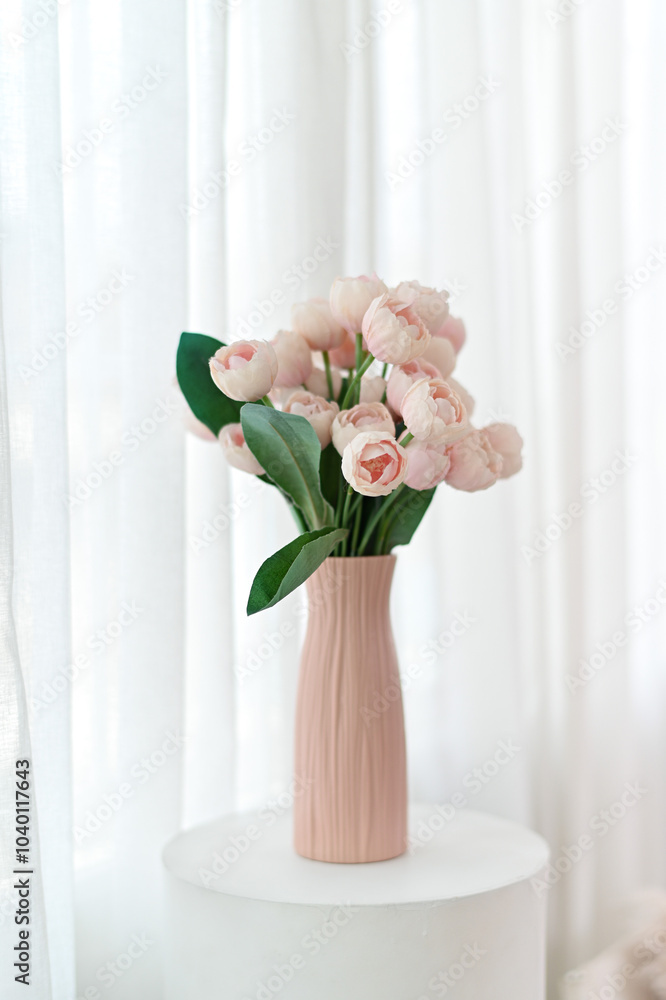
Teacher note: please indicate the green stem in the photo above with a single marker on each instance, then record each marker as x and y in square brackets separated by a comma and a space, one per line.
[345, 509]
[360, 372]
[267, 402]
[372, 523]
[345, 515]
[385, 369]
[329, 376]
[407, 438]
[360, 357]
[357, 528]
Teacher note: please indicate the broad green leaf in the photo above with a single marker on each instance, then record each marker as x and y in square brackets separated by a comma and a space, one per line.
[405, 516]
[206, 401]
[291, 566]
[287, 447]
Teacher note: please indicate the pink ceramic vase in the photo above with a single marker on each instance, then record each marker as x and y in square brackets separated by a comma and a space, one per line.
[350, 733]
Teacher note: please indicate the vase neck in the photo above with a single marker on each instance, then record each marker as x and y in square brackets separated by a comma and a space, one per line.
[351, 586]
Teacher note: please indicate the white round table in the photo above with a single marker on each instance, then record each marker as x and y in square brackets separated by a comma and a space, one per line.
[248, 919]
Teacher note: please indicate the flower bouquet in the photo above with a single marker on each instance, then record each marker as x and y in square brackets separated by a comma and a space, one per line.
[353, 416]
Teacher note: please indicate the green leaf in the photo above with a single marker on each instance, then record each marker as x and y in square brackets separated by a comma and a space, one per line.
[405, 516]
[287, 447]
[330, 474]
[206, 401]
[291, 566]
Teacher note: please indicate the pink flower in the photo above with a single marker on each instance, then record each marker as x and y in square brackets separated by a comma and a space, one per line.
[507, 442]
[467, 398]
[314, 321]
[474, 463]
[317, 382]
[364, 417]
[453, 329]
[294, 358]
[374, 463]
[441, 354]
[351, 297]
[393, 331]
[427, 464]
[401, 378]
[373, 388]
[316, 410]
[433, 412]
[431, 305]
[345, 356]
[236, 450]
[245, 370]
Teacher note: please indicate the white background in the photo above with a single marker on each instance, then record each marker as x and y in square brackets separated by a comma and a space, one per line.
[219, 72]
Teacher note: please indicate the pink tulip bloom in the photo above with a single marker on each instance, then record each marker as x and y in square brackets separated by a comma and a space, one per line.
[364, 417]
[294, 358]
[393, 331]
[245, 370]
[316, 410]
[433, 412]
[475, 465]
[236, 451]
[374, 463]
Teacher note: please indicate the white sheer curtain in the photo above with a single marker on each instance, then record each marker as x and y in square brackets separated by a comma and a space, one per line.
[120, 215]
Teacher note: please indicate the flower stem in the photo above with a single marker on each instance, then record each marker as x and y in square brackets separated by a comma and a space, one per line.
[372, 523]
[384, 369]
[329, 376]
[407, 438]
[345, 509]
[267, 402]
[357, 528]
[359, 363]
[360, 372]
[345, 515]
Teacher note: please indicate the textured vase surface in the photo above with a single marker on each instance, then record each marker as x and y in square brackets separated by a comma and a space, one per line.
[350, 734]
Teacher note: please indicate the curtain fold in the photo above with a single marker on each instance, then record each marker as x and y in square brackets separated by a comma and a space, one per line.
[35, 719]
[202, 165]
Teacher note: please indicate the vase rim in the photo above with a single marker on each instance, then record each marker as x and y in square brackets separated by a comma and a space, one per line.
[364, 559]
